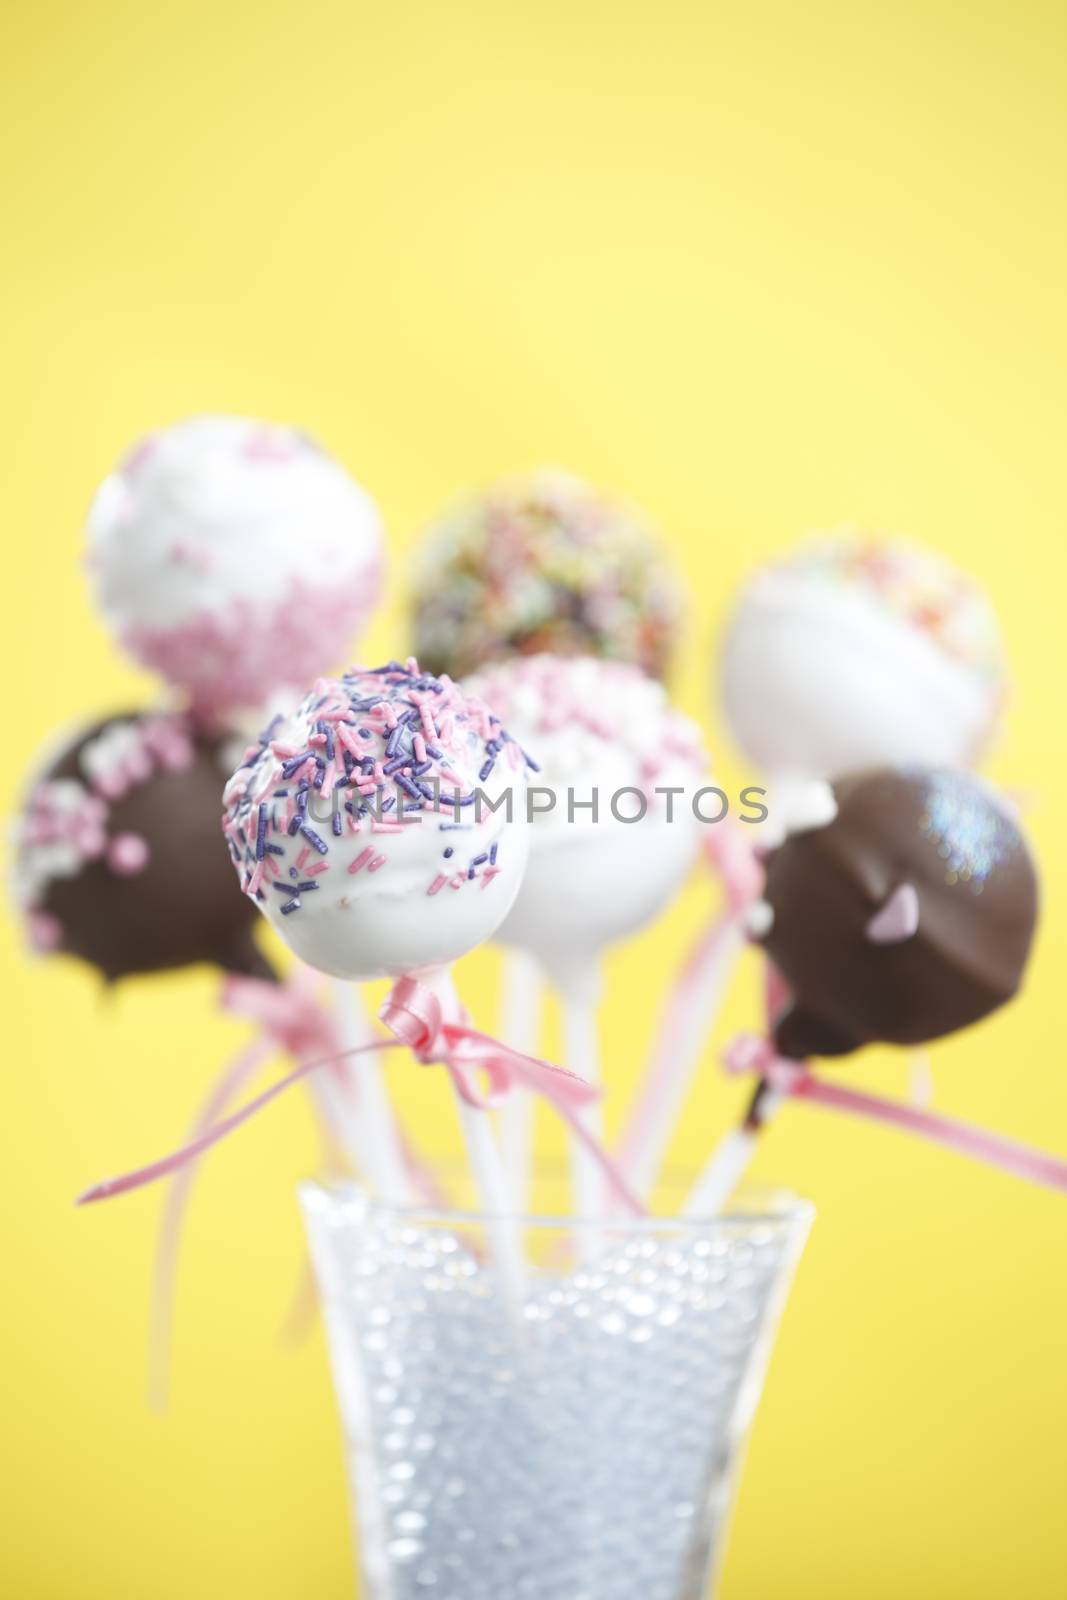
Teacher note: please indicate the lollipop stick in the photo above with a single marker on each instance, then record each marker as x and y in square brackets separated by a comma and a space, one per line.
[731, 1157]
[360, 1102]
[494, 1200]
[578, 995]
[521, 1018]
[680, 1043]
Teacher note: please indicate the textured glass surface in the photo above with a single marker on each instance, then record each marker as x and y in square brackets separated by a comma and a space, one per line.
[574, 1442]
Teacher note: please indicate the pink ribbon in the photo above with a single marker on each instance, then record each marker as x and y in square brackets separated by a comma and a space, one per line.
[752, 1054]
[415, 1017]
[414, 1014]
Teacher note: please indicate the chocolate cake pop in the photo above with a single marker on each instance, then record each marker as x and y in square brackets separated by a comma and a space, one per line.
[118, 858]
[363, 824]
[234, 558]
[858, 651]
[908, 916]
[542, 563]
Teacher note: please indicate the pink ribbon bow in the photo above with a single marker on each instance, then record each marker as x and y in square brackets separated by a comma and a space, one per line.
[415, 1015]
[751, 1054]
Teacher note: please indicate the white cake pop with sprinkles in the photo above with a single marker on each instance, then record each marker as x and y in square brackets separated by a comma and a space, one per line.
[371, 825]
[859, 651]
[234, 558]
[603, 728]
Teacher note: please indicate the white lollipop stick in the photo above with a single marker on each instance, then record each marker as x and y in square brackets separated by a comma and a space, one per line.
[578, 993]
[520, 1029]
[730, 1161]
[366, 1122]
[680, 1047]
[493, 1196]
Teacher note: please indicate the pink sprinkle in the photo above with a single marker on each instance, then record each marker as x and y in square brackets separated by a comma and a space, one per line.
[489, 874]
[427, 721]
[379, 861]
[387, 827]
[272, 866]
[256, 878]
[437, 884]
[127, 854]
[458, 881]
[419, 745]
[362, 859]
[302, 857]
[320, 866]
[284, 751]
[45, 932]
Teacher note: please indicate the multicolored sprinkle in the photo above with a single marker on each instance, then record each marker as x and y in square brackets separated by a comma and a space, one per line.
[543, 563]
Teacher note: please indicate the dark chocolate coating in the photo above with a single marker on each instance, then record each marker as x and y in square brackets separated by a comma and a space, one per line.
[185, 905]
[946, 834]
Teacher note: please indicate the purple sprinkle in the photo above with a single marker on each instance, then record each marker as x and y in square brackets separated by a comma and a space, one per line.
[284, 888]
[294, 825]
[335, 824]
[396, 764]
[530, 762]
[309, 883]
[261, 832]
[365, 733]
[408, 787]
[479, 860]
[422, 767]
[487, 769]
[449, 852]
[292, 905]
[492, 854]
[292, 767]
[313, 839]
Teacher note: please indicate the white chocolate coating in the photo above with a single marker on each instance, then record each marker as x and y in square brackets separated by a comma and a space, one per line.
[311, 817]
[858, 652]
[591, 724]
[234, 557]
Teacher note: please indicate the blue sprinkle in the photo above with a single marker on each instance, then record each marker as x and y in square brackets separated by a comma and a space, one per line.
[313, 839]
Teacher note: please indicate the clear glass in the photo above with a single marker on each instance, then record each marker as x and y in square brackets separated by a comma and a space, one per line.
[570, 1435]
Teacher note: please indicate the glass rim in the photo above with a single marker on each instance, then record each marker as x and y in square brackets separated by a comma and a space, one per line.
[783, 1209]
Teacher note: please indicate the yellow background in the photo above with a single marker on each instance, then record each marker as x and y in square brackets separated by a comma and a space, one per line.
[762, 268]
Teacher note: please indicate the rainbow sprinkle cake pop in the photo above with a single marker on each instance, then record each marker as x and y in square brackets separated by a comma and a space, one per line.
[542, 563]
[363, 824]
[857, 651]
[234, 558]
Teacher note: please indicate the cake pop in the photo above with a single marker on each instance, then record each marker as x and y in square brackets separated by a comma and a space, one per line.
[605, 736]
[542, 563]
[907, 917]
[117, 855]
[234, 558]
[857, 651]
[365, 825]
